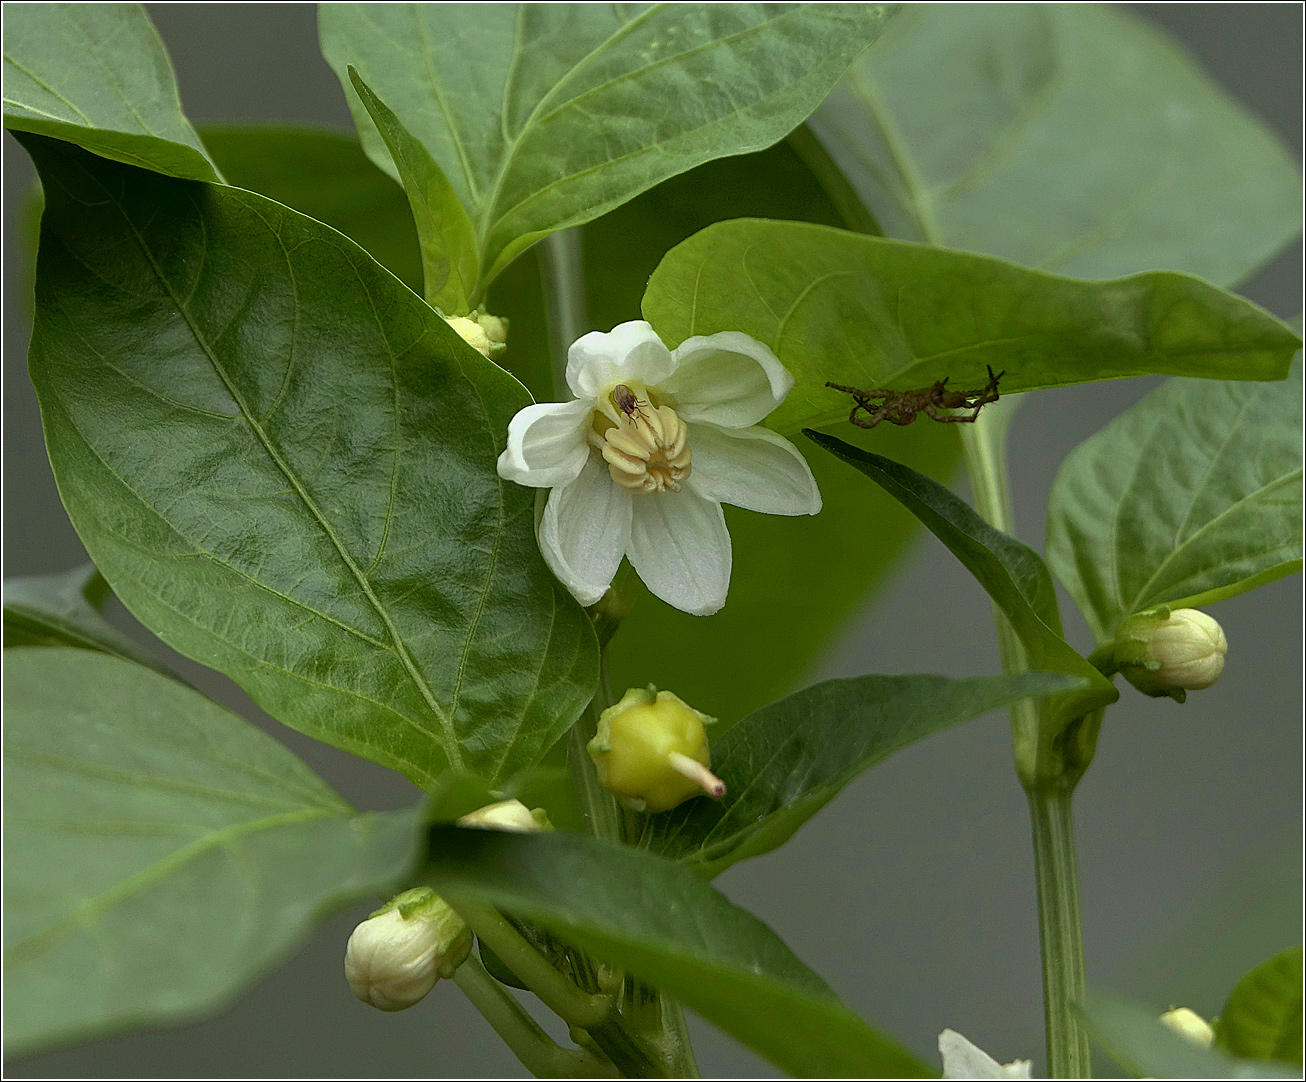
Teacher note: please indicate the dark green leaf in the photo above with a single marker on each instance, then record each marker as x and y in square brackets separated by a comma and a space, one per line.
[160, 852]
[1263, 1017]
[663, 924]
[98, 75]
[1070, 137]
[327, 176]
[785, 762]
[547, 115]
[64, 610]
[445, 233]
[1145, 1046]
[283, 462]
[870, 313]
[1192, 496]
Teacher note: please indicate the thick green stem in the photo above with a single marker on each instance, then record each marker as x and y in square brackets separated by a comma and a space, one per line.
[1059, 931]
[599, 809]
[562, 266]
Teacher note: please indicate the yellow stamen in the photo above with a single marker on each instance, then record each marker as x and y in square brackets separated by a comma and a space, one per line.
[647, 450]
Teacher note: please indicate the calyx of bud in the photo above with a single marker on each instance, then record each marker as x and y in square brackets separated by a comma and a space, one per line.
[1166, 652]
[399, 953]
[1189, 1024]
[651, 751]
[510, 815]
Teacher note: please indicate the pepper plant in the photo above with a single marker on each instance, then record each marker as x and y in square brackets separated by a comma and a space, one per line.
[423, 440]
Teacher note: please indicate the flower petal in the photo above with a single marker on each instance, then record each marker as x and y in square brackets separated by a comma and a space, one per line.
[546, 444]
[751, 468]
[680, 547]
[961, 1059]
[585, 530]
[726, 378]
[629, 353]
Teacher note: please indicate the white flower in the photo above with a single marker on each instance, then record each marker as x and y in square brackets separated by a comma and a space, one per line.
[399, 953]
[641, 462]
[510, 815]
[961, 1059]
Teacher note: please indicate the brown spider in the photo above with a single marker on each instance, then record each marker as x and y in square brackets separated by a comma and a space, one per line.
[901, 407]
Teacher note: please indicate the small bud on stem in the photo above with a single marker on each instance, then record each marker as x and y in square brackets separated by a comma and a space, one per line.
[1170, 653]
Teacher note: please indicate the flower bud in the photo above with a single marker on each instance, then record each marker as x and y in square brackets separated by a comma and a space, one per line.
[1189, 1024]
[651, 751]
[396, 956]
[510, 815]
[495, 328]
[472, 333]
[1170, 653]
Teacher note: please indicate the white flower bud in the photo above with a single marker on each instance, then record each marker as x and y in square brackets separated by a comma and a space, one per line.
[510, 815]
[495, 328]
[961, 1059]
[1191, 1025]
[1170, 653]
[396, 956]
[472, 333]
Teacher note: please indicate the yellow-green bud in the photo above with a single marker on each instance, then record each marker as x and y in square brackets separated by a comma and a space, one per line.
[1189, 1024]
[510, 815]
[495, 328]
[651, 751]
[472, 333]
[1170, 653]
[399, 953]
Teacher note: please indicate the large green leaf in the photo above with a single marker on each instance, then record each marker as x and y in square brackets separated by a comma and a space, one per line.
[283, 462]
[160, 852]
[1263, 1017]
[325, 175]
[64, 610]
[98, 75]
[784, 763]
[869, 312]
[661, 923]
[1070, 137]
[1191, 496]
[1140, 1042]
[547, 115]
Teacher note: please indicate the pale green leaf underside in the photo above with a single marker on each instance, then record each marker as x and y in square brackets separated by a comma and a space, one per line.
[547, 115]
[98, 75]
[326, 526]
[1193, 495]
[785, 762]
[869, 312]
[1263, 1017]
[663, 924]
[160, 852]
[1070, 137]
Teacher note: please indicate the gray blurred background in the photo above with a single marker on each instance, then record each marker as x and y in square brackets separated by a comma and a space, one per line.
[912, 893]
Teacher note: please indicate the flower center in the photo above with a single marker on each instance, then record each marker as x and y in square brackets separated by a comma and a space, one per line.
[646, 450]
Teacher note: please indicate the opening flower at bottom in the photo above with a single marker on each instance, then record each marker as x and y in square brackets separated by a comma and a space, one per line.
[641, 461]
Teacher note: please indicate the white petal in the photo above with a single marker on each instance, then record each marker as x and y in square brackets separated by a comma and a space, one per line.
[961, 1059]
[585, 530]
[546, 444]
[629, 353]
[727, 378]
[751, 468]
[680, 547]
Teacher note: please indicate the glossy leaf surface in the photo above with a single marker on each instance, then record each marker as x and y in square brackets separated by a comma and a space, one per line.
[785, 762]
[1263, 1017]
[326, 526]
[160, 852]
[1071, 137]
[547, 115]
[1191, 496]
[98, 75]
[662, 923]
[868, 312]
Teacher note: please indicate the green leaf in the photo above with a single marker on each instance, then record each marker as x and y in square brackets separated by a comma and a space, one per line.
[325, 175]
[1145, 1046]
[784, 763]
[544, 116]
[160, 853]
[869, 312]
[1191, 496]
[325, 525]
[663, 924]
[64, 610]
[97, 75]
[1012, 574]
[446, 234]
[1070, 137]
[1263, 1017]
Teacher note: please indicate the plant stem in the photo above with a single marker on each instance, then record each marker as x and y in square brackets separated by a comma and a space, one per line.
[597, 806]
[1059, 930]
[562, 266]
